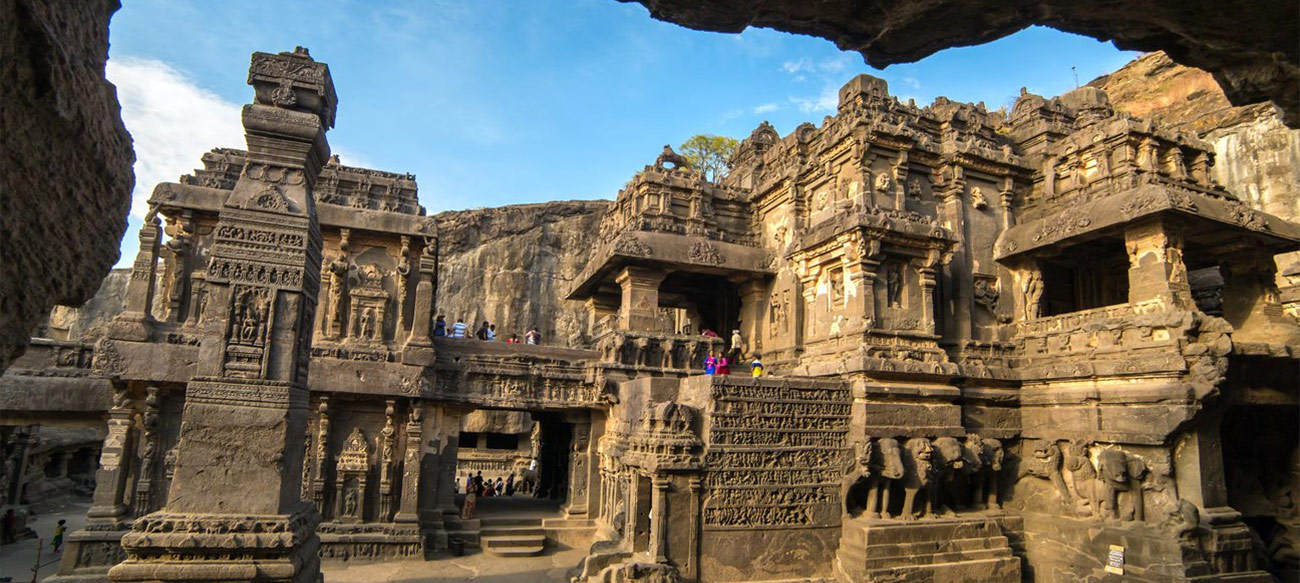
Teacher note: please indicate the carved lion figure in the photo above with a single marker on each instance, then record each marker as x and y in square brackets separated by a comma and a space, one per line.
[918, 476]
[986, 487]
[950, 467]
[1084, 477]
[1113, 466]
[886, 468]
[856, 488]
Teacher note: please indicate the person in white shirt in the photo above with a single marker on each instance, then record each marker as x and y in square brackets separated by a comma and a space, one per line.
[458, 329]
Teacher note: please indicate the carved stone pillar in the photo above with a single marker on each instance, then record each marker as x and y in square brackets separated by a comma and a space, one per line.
[135, 322]
[387, 448]
[419, 346]
[753, 305]
[322, 454]
[659, 519]
[240, 454]
[927, 270]
[580, 470]
[1156, 269]
[691, 570]
[144, 493]
[407, 510]
[177, 258]
[597, 310]
[639, 309]
[449, 444]
[110, 501]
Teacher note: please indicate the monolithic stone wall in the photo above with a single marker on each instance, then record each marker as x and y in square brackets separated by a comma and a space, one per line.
[65, 188]
[512, 266]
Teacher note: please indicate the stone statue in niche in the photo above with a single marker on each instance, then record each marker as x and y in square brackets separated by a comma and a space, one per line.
[977, 199]
[918, 478]
[350, 500]
[894, 284]
[368, 324]
[1033, 292]
[886, 468]
[986, 292]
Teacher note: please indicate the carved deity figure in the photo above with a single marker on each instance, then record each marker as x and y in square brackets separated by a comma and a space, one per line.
[1033, 291]
[368, 324]
[894, 284]
[918, 477]
[886, 468]
[350, 502]
[977, 198]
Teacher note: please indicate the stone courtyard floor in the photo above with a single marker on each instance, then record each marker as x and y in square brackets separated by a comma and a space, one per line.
[16, 560]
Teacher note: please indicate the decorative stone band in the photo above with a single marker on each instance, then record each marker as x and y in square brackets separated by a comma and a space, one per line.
[246, 393]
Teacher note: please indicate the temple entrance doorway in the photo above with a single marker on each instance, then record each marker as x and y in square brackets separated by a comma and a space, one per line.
[523, 458]
[694, 302]
[1263, 481]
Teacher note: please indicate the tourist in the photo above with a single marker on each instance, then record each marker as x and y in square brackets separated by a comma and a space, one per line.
[458, 329]
[710, 363]
[471, 502]
[501, 486]
[736, 343]
[482, 332]
[724, 367]
[510, 485]
[756, 367]
[533, 336]
[469, 482]
[440, 326]
[58, 535]
[513, 339]
[492, 333]
[708, 333]
[9, 527]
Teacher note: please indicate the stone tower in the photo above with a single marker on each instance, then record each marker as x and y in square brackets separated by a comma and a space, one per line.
[234, 511]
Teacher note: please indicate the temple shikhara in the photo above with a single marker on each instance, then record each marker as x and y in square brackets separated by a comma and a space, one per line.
[1036, 345]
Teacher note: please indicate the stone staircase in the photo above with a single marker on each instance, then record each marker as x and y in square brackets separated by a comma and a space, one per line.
[926, 550]
[512, 537]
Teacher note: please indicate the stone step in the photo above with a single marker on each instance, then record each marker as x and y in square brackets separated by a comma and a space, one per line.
[501, 542]
[508, 521]
[931, 547]
[869, 533]
[850, 557]
[488, 531]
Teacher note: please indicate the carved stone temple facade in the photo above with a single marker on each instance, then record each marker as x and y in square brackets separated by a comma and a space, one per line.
[1044, 346]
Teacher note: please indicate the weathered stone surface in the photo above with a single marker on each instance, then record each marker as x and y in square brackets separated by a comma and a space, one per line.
[1249, 46]
[66, 182]
[513, 265]
[1256, 156]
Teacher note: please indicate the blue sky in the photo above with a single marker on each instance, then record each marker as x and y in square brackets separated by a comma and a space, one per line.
[495, 102]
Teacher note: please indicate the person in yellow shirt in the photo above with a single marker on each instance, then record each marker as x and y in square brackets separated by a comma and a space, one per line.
[756, 367]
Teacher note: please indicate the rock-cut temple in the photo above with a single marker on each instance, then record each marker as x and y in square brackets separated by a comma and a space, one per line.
[1041, 345]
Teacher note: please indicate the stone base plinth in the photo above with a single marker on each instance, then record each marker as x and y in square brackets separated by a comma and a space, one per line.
[89, 554]
[175, 548]
[949, 550]
[365, 542]
[1067, 550]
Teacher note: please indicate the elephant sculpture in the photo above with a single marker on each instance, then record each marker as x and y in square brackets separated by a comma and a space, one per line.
[1113, 466]
[918, 478]
[986, 484]
[643, 349]
[886, 468]
[952, 472]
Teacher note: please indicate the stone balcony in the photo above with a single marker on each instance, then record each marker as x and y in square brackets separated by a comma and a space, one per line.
[668, 353]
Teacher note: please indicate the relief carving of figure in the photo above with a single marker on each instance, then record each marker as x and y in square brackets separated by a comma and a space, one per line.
[350, 502]
[894, 284]
[918, 477]
[368, 324]
[952, 464]
[886, 468]
[1113, 466]
[1084, 479]
[1046, 464]
[1033, 290]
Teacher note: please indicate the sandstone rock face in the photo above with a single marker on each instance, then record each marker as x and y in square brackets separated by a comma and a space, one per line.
[90, 320]
[513, 265]
[1256, 156]
[1249, 46]
[65, 188]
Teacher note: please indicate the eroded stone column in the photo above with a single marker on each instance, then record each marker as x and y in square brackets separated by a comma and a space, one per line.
[639, 310]
[407, 511]
[235, 511]
[419, 346]
[580, 469]
[659, 519]
[135, 322]
[1156, 270]
[110, 501]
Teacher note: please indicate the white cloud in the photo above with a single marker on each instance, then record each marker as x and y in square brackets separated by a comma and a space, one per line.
[795, 67]
[766, 107]
[825, 102]
[172, 121]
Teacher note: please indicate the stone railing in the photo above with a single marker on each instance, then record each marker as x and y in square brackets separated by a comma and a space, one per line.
[1119, 339]
[662, 351]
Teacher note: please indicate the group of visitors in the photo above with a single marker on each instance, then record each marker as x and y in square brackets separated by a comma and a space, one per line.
[487, 332]
[720, 363]
[476, 487]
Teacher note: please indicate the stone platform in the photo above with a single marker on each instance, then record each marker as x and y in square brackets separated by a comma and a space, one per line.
[948, 550]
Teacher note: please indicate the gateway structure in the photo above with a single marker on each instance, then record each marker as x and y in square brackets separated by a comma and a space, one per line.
[1033, 346]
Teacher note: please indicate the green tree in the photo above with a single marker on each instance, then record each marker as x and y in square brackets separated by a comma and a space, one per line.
[708, 154]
